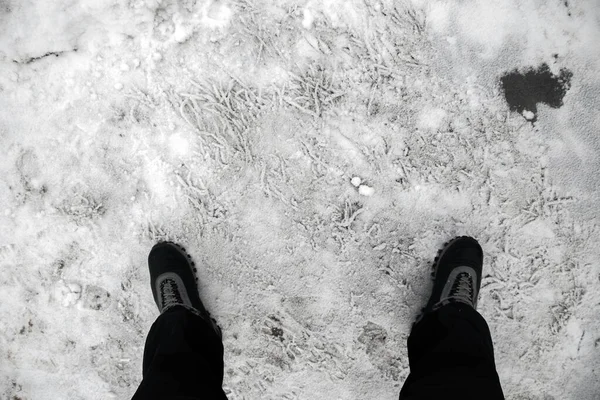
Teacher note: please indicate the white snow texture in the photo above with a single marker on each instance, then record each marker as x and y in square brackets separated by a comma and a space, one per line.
[312, 156]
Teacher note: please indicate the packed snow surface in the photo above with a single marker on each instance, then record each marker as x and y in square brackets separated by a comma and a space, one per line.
[312, 156]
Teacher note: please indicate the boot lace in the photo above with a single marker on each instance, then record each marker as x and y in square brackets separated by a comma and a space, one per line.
[170, 294]
[462, 290]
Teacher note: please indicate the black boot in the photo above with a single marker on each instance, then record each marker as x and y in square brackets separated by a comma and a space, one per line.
[456, 274]
[174, 282]
[450, 349]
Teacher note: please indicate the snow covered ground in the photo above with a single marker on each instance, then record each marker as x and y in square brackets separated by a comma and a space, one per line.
[312, 156]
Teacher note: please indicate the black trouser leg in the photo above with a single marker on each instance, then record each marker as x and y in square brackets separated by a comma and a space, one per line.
[183, 359]
[451, 356]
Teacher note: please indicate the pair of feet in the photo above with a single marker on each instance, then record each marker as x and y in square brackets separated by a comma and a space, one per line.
[456, 277]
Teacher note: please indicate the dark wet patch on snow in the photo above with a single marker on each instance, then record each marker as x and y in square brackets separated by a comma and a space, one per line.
[524, 90]
[277, 332]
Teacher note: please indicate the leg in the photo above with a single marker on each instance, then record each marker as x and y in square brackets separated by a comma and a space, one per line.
[451, 356]
[183, 358]
[450, 348]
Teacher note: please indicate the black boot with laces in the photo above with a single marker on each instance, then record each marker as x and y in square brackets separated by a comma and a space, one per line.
[456, 274]
[174, 282]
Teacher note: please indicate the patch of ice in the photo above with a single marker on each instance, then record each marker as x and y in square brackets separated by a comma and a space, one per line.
[366, 190]
[575, 331]
[179, 145]
[438, 16]
[539, 228]
[306, 47]
[68, 293]
[216, 15]
[182, 32]
[308, 19]
[529, 115]
[489, 24]
[380, 247]
[356, 181]
[431, 118]
[340, 13]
